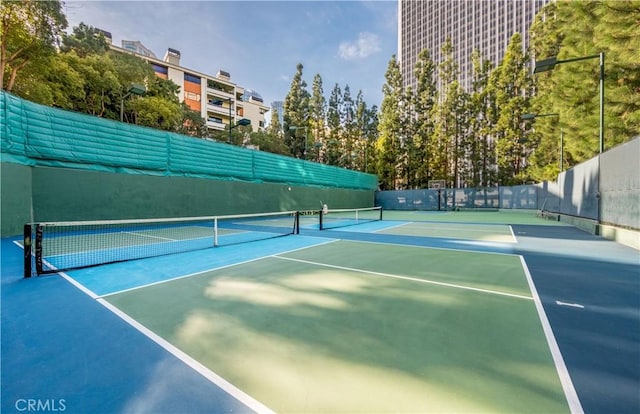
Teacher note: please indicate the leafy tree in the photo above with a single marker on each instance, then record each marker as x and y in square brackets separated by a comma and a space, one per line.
[155, 112]
[333, 145]
[28, 33]
[618, 34]
[546, 38]
[51, 80]
[349, 132]
[388, 143]
[269, 142]
[445, 151]
[362, 133]
[513, 88]
[423, 104]
[100, 82]
[275, 128]
[544, 162]
[296, 109]
[191, 123]
[481, 153]
[85, 40]
[317, 113]
[579, 29]
[370, 135]
[407, 151]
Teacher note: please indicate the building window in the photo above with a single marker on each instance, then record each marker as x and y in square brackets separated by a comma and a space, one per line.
[160, 69]
[192, 96]
[192, 78]
[214, 119]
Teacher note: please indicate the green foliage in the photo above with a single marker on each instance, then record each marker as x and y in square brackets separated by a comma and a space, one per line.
[481, 150]
[269, 142]
[389, 128]
[572, 30]
[191, 123]
[275, 128]
[155, 112]
[84, 40]
[317, 122]
[333, 144]
[28, 33]
[340, 132]
[423, 102]
[100, 81]
[513, 88]
[449, 120]
[296, 109]
[469, 138]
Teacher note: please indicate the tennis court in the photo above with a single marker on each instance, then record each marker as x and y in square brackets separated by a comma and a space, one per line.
[414, 312]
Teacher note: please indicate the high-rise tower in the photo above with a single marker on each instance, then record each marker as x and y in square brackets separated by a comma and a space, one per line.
[486, 25]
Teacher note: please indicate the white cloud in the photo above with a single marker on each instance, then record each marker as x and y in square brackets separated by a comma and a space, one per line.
[367, 44]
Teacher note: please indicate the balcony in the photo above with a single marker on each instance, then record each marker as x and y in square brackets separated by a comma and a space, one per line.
[216, 123]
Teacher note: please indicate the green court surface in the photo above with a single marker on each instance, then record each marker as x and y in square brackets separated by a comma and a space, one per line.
[475, 216]
[350, 326]
[470, 231]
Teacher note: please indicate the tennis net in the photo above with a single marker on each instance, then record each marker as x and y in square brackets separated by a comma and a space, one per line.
[330, 219]
[59, 246]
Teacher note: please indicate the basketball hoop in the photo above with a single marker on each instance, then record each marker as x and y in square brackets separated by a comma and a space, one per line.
[436, 184]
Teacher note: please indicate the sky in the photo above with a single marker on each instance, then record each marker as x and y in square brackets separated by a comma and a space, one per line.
[260, 43]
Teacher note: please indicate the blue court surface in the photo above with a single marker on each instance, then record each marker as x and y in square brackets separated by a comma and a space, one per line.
[90, 340]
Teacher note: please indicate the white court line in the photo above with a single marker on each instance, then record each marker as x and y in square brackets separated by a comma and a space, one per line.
[211, 376]
[451, 249]
[394, 227]
[213, 269]
[462, 227]
[565, 379]
[515, 240]
[64, 275]
[216, 379]
[571, 305]
[436, 226]
[413, 279]
[134, 233]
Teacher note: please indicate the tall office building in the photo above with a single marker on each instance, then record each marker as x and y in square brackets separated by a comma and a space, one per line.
[486, 25]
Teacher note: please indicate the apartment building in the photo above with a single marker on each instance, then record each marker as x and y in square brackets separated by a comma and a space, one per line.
[137, 47]
[486, 25]
[219, 100]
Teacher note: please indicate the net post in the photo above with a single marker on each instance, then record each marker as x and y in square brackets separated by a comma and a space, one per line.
[296, 225]
[215, 232]
[26, 243]
[380, 212]
[38, 248]
[320, 221]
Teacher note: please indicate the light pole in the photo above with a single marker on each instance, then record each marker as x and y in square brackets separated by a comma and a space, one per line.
[294, 128]
[134, 89]
[534, 116]
[241, 122]
[550, 63]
